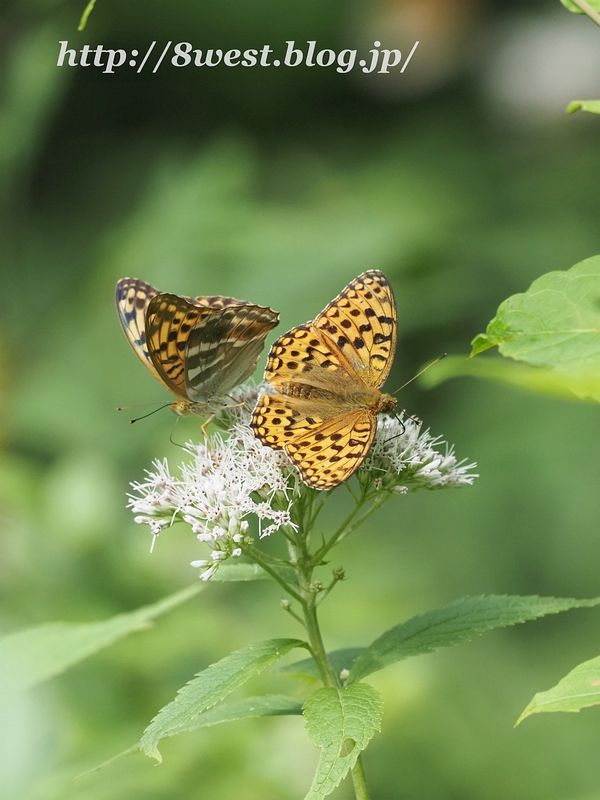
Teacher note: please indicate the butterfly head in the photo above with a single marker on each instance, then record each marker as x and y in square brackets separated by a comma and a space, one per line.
[182, 408]
[386, 403]
[185, 408]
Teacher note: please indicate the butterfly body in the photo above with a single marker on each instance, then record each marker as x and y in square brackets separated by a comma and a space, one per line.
[326, 376]
[199, 348]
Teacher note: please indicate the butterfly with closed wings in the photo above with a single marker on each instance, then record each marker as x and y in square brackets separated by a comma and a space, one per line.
[199, 348]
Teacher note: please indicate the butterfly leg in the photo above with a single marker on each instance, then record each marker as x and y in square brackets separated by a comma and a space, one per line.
[234, 404]
[205, 425]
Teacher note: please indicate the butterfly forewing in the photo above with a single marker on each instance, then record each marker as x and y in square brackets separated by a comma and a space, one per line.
[361, 324]
[327, 375]
[169, 322]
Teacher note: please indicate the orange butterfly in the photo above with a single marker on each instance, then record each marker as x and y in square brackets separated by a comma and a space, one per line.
[199, 348]
[326, 377]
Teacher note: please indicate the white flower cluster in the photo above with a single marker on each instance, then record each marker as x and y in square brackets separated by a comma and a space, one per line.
[404, 458]
[234, 475]
[225, 481]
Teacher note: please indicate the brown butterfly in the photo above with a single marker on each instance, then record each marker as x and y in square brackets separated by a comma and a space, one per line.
[199, 348]
[326, 377]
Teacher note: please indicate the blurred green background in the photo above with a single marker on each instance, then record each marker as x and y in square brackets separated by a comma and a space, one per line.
[463, 180]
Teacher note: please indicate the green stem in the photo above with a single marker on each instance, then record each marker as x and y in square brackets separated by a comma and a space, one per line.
[318, 556]
[350, 524]
[358, 779]
[304, 564]
[316, 643]
[257, 557]
[85, 15]
[330, 679]
[383, 498]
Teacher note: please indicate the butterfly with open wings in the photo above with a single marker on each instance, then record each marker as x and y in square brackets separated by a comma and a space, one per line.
[326, 376]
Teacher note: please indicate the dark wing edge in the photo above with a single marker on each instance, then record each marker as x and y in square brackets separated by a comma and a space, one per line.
[132, 298]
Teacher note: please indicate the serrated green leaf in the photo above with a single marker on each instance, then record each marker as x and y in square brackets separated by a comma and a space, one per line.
[341, 722]
[572, 6]
[455, 623]
[339, 660]
[555, 324]
[211, 685]
[591, 106]
[31, 656]
[551, 382]
[579, 689]
[268, 705]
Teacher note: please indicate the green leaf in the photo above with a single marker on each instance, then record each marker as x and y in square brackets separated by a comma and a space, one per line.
[212, 685]
[339, 660]
[591, 106]
[579, 689]
[268, 705]
[33, 655]
[246, 571]
[555, 324]
[576, 9]
[550, 382]
[480, 344]
[240, 571]
[458, 622]
[341, 722]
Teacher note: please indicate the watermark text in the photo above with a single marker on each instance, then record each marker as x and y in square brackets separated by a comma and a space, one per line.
[183, 54]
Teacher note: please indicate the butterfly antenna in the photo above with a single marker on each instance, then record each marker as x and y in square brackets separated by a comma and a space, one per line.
[166, 405]
[418, 375]
[404, 411]
[401, 423]
[140, 405]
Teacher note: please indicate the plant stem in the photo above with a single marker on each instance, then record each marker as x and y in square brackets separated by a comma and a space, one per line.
[351, 524]
[358, 780]
[257, 556]
[328, 676]
[316, 643]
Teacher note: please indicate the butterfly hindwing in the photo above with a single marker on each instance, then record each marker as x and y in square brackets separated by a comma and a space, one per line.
[223, 348]
[325, 448]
